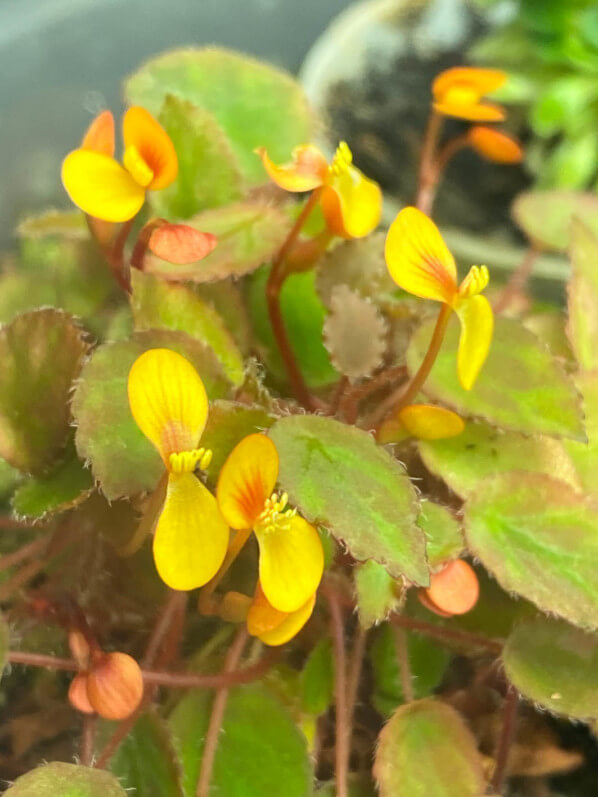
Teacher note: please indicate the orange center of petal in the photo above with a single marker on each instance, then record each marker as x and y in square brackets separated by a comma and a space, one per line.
[461, 94]
[274, 516]
[137, 167]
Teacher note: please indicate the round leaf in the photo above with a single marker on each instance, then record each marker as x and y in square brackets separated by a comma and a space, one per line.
[337, 477]
[521, 386]
[256, 104]
[538, 537]
[41, 354]
[123, 461]
[546, 216]
[66, 780]
[426, 749]
[554, 664]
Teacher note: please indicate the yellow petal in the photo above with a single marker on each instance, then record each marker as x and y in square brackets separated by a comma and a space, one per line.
[418, 259]
[273, 627]
[472, 112]
[291, 563]
[478, 80]
[477, 324]
[100, 186]
[191, 535]
[168, 401]
[152, 142]
[100, 135]
[428, 422]
[305, 172]
[352, 203]
[247, 478]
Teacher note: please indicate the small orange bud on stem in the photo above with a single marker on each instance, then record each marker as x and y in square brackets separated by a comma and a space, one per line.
[453, 590]
[114, 685]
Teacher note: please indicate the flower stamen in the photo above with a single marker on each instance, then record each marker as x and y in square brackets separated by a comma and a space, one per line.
[274, 515]
[187, 461]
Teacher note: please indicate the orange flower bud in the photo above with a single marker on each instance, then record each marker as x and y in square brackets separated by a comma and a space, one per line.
[79, 648]
[453, 590]
[494, 145]
[114, 685]
[78, 694]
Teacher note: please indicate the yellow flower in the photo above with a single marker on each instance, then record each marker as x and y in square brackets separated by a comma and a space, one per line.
[423, 421]
[170, 406]
[459, 92]
[104, 188]
[351, 203]
[494, 145]
[291, 555]
[274, 627]
[420, 263]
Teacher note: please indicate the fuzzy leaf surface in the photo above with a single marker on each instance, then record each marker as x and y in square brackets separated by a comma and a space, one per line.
[546, 217]
[339, 478]
[583, 295]
[66, 780]
[521, 386]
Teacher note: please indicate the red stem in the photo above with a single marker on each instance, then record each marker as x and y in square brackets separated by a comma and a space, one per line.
[342, 747]
[505, 740]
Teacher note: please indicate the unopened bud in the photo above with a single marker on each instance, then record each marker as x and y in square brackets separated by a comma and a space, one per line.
[234, 607]
[78, 694]
[79, 648]
[453, 590]
[114, 685]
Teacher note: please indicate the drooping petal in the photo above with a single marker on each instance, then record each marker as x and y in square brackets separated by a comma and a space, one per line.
[306, 170]
[352, 203]
[428, 422]
[191, 535]
[246, 479]
[471, 112]
[291, 563]
[168, 401]
[477, 324]
[152, 142]
[99, 136]
[180, 243]
[418, 259]
[100, 186]
[478, 80]
[495, 145]
[273, 627]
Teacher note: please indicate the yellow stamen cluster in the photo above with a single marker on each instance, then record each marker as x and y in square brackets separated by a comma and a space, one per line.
[273, 515]
[343, 158]
[187, 461]
[475, 281]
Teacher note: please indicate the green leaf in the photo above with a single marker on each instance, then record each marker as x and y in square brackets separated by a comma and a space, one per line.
[255, 104]
[546, 216]
[248, 235]
[444, 539]
[537, 536]
[317, 679]
[228, 423]
[521, 386]
[375, 518]
[427, 661]
[426, 749]
[303, 314]
[572, 163]
[259, 747]
[63, 488]
[583, 296]
[66, 780]
[585, 455]
[482, 450]
[41, 354]
[157, 304]
[146, 762]
[122, 459]
[377, 592]
[209, 175]
[554, 664]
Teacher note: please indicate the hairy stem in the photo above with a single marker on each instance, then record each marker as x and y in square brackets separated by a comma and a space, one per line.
[402, 649]
[274, 285]
[88, 734]
[218, 708]
[24, 552]
[426, 184]
[342, 747]
[405, 395]
[505, 740]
